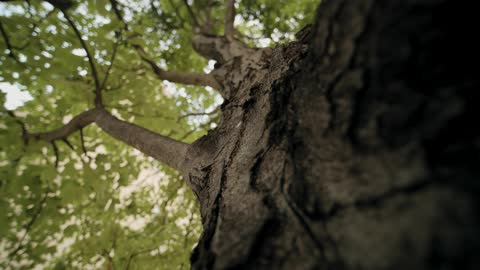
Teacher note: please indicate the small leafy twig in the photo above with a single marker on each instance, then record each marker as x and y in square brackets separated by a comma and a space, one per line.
[65, 140]
[7, 42]
[35, 25]
[55, 151]
[192, 15]
[112, 59]
[98, 89]
[22, 125]
[82, 142]
[29, 226]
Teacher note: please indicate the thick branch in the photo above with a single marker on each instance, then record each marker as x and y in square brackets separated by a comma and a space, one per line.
[229, 19]
[219, 48]
[164, 149]
[77, 123]
[189, 78]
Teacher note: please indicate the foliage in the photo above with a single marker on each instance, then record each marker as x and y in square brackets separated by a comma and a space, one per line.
[109, 207]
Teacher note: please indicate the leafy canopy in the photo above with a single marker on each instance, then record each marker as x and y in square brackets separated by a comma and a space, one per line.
[110, 206]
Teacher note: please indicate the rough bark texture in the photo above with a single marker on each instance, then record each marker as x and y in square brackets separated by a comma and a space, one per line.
[360, 152]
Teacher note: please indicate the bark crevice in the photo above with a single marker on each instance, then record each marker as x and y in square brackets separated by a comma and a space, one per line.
[342, 163]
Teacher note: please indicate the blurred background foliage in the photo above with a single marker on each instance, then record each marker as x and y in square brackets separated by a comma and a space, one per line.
[108, 206]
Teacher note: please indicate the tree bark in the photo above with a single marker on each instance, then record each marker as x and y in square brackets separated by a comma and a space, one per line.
[358, 152]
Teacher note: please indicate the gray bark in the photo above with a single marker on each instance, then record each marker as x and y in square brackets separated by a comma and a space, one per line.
[359, 152]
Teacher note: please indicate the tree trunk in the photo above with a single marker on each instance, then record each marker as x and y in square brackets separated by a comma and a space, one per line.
[356, 150]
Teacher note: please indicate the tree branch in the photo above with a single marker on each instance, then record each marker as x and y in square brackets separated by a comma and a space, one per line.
[156, 115]
[204, 126]
[112, 59]
[29, 226]
[198, 114]
[82, 142]
[98, 89]
[22, 125]
[229, 19]
[163, 149]
[68, 143]
[55, 151]
[192, 15]
[175, 8]
[7, 43]
[28, 41]
[115, 8]
[135, 254]
[190, 78]
[63, 5]
[78, 122]
[118, 13]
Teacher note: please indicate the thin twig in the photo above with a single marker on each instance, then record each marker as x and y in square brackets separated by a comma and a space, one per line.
[135, 254]
[22, 125]
[77, 122]
[177, 12]
[112, 59]
[118, 13]
[55, 150]
[65, 140]
[192, 15]
[7, 42]
[29, 226]
[33, 30]
[82, 142]
[189, 78]
[98, 94]
[169, 25]
[202, 126]
[197, 114]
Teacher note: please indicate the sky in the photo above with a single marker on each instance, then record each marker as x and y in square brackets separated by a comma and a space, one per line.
[15, 97]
